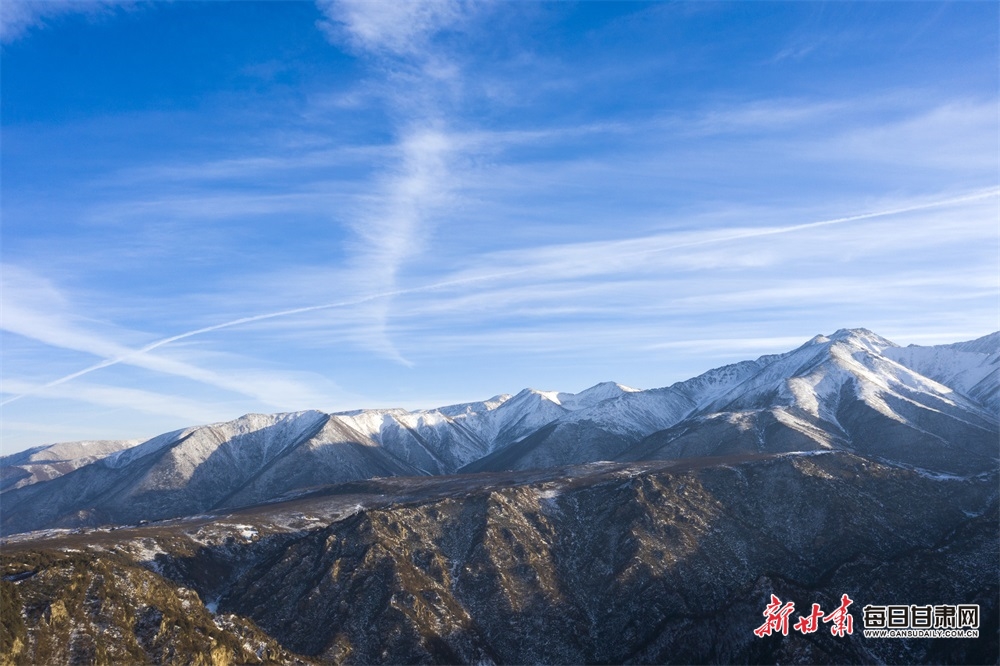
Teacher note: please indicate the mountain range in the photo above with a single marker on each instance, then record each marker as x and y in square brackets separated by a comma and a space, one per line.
[613, 525]
[934, 408]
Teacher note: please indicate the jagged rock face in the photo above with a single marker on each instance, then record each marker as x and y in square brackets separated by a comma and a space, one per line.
[669, 565]
[85, 608]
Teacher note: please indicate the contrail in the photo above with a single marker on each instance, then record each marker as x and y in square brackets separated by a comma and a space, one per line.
[840, 220]
[124, 358]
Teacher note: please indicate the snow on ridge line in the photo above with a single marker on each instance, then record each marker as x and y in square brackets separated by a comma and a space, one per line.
[958, 369]
[987, 344]
[716, 385]
[791, 373]
[60, 452]
[126, 457]
[224, 430]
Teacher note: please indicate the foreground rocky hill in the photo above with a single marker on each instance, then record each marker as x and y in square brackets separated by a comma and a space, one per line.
[67, 606]
[659, 562]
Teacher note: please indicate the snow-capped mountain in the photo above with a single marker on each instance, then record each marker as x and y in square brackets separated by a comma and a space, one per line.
[839, 392]
[819, 396]
[928, 407]
[43, 463]
[258, 458]
[969, 368]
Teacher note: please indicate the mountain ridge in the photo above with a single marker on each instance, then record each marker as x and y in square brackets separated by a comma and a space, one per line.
[852, 390]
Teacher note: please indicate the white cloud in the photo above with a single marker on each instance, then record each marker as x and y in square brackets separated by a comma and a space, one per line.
[731, 346]
[393, 222]
[956, 137]
[619, 285]
[18, 17]
[272, 161]
[770, 115]
[148, 402]
[696, 249]
[390, 27]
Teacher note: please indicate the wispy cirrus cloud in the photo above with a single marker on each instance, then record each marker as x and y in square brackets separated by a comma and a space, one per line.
[392, 223]
[946, 137]
[682, 249]
[384, 27]
[19, 17]
[625, 279]
[34, 309]
[118, 397]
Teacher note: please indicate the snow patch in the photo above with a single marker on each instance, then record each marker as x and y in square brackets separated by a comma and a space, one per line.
[145, 550]
[246, 532]
[807, 453]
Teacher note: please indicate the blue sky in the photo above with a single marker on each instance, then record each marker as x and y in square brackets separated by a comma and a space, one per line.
[217, 208]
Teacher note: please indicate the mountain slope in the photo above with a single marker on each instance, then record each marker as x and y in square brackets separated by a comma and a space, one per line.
[443, 440]
[259, 458]
[74, 602]
[604, 429]
[843, 391]
[197, 470]
[969, 368]
[636, 565]
[834, 469]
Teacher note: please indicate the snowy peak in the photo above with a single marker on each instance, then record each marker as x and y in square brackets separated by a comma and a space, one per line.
[813, 378]
[232, 450]
[68, 451]
[593, 395]
[470, 408]
[843, 391]
[862, 338]
[528, 395]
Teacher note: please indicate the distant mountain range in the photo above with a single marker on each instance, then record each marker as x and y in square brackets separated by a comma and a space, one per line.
[609, 526]
[933, 408]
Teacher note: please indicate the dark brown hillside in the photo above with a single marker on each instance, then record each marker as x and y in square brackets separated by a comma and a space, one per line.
[655, 562]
